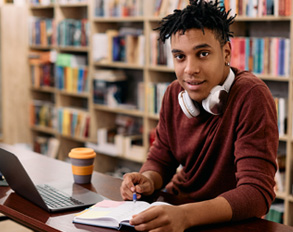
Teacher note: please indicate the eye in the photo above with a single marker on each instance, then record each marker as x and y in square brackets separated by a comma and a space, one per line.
[203, 54]
[179, 57]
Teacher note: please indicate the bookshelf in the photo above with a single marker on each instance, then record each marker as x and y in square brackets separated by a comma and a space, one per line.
[147, 72]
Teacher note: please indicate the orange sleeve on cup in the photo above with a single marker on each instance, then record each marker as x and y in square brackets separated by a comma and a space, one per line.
[82, 170]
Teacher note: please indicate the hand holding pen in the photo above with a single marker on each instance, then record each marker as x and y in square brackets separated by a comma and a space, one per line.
[135, 185]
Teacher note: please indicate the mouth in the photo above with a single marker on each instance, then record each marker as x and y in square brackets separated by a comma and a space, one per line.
[194, 85]
[194, 82]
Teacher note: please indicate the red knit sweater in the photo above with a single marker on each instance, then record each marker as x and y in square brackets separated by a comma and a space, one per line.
[232, 155]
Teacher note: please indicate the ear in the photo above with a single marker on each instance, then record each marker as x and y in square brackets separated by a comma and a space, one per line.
[227, 51]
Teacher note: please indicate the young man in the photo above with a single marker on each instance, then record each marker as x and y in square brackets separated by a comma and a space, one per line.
[218, 122]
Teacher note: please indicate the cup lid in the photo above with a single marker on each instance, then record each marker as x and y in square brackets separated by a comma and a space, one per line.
[82, 153]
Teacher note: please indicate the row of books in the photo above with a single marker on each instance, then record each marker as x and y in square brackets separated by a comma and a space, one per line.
[43, 113]
[73, 32]
[258, 8]
[160, 52]
[126, 8]
[281, 105]
[118, 8]
[46, 145]
[109, 87]
[41, 69]
[68, 121]
[269, 55]
[73, 80]
[41, 31]
[73, 122]
[69, 32]
[42, 75]
[165, 7]
[126, 45]
[155, 93]
[123, 139]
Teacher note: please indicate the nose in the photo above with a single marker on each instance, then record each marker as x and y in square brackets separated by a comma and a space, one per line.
[192, 67]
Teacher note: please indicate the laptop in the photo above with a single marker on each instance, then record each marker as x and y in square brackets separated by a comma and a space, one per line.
[62, 194]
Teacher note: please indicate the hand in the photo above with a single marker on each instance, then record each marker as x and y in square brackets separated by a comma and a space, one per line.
[160, 218]
[136, 182]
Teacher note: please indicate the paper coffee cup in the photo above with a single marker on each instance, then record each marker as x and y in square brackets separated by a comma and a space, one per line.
[82, 160]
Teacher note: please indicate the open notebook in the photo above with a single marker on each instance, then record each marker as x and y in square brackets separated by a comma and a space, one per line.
[112, 214]
[53, 197]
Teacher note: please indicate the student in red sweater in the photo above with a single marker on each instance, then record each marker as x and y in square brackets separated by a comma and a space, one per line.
[218, 122]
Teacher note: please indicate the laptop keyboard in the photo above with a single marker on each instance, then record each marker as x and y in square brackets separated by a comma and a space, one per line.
[55, 198]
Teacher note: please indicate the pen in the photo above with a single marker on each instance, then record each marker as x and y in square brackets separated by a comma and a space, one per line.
[134, 197]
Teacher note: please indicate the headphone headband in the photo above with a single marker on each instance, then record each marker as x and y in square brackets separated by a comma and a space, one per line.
[229, 80]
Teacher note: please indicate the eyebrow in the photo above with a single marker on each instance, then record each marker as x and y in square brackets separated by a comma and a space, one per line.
[205, 45]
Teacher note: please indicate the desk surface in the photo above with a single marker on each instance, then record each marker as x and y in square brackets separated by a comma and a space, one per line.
[43, 170]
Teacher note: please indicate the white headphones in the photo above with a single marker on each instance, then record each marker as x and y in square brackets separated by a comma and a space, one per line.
[213, 104]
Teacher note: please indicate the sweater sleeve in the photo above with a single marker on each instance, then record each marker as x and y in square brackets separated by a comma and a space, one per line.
[255, 155]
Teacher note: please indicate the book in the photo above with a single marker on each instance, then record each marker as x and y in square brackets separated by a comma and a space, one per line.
[112, 214]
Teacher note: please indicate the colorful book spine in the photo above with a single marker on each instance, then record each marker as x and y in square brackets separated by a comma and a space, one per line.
[41, 69]
[281, 107]
[41, 31]
[73, 122]
[259, 8]
[120, 8]
[160, 52]
[165, 7]
[268, 56]
[71, 79]
[72, 73]
[155, 93]
[43, 113]
[73, 32]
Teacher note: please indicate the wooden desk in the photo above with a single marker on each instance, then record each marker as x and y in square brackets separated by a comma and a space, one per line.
[43, 169]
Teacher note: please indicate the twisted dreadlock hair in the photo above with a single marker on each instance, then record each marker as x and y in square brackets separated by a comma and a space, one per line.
[198, 14]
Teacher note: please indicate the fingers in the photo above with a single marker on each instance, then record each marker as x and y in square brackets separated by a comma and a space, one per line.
[148, 220]
[128, 186]
[135, 182]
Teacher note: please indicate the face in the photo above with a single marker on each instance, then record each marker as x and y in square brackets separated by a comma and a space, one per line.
[199, 61]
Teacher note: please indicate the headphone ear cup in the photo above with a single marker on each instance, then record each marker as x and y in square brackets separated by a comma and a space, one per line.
[215, 102]
[187, 106]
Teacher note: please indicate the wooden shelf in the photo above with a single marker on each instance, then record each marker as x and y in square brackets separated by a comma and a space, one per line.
[290, 198]
[45, 89]
[273, 78]
[161, 68]
[118, 20]
[73, 94]
[37, 7]
[281, 195]
[119, 65]
[263, 18]
[40, 47]
[77, 4]
[46, 130]
[118, 110]
[73, 48]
